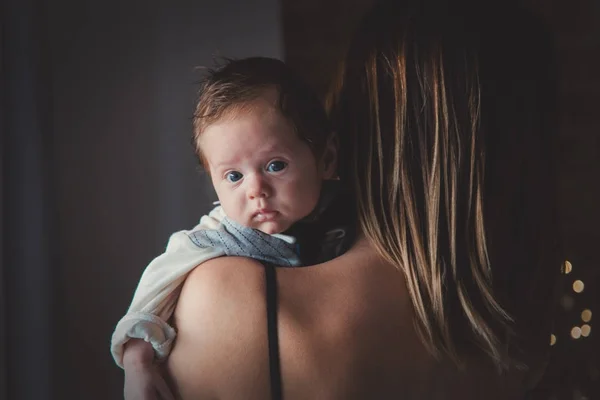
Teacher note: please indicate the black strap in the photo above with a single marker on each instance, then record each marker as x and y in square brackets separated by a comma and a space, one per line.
[273, 337]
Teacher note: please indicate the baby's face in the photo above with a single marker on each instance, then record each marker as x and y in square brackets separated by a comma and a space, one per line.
[265, 176]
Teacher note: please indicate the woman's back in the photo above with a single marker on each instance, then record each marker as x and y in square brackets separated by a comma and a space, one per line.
[444, 120]
[345, 332]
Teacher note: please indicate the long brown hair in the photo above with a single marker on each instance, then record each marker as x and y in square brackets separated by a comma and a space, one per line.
[434, 142]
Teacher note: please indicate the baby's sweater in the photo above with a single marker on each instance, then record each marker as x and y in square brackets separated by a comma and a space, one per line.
[216, 235]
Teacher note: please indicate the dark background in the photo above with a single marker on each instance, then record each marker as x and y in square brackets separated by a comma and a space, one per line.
[97, 170]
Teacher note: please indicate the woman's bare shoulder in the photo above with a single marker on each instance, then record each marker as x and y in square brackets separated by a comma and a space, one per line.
[218, 276]
[221, 326]
[222, 293]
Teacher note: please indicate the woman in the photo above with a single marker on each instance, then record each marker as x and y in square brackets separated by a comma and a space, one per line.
[443, 120]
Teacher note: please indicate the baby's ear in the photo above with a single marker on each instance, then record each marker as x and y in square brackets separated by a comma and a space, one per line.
[329, 159]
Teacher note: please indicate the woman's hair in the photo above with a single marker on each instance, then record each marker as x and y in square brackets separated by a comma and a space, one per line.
[235, 85]
[444, 126]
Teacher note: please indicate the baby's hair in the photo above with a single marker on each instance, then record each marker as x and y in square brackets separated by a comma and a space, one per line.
[235, 85]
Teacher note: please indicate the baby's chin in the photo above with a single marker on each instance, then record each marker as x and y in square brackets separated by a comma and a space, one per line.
[271, 227]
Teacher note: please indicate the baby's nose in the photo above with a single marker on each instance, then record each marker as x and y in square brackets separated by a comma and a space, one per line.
[258, 188]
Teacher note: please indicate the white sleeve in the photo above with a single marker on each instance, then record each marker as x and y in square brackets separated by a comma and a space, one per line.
[157, 292]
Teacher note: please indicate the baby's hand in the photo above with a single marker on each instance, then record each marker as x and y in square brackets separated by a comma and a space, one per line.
[143, 380]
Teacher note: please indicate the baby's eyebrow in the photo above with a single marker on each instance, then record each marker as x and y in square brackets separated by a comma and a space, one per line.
[276, 148]
[269, 151]
[223, 165]
[231, 161]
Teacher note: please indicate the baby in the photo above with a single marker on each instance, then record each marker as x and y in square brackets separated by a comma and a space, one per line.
[264, 138]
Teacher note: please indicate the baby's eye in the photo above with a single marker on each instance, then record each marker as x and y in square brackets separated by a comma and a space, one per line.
[276, 166]
[233, 176]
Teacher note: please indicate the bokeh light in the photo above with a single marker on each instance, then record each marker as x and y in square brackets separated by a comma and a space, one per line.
[586, 315]
[567, 267]
[578, 286]
[567, 302]
[586, 330]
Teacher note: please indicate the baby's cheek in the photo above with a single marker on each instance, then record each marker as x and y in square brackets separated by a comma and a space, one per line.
[231, 208]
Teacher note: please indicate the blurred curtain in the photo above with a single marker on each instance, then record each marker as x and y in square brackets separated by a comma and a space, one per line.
[26, 199]
[97, 170]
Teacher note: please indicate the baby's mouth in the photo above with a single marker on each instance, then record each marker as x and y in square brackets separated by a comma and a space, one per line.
[264, 215]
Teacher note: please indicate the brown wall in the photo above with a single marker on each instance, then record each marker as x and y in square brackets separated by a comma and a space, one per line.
[316, 34]
[574, 371]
